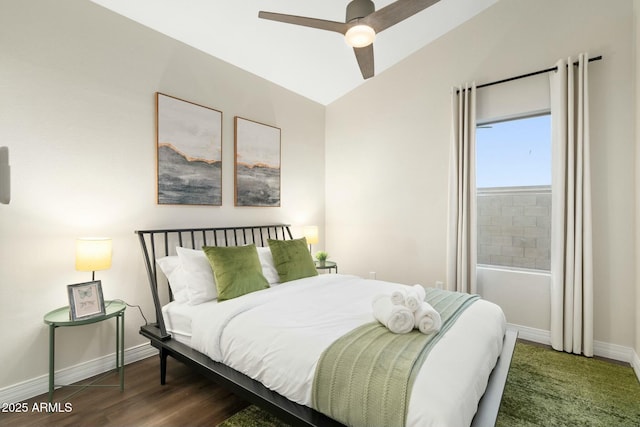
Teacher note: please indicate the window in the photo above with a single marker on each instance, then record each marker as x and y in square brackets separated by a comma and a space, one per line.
[513, 179]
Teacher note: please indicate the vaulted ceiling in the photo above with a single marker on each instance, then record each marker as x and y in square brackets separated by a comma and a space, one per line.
[314, 63]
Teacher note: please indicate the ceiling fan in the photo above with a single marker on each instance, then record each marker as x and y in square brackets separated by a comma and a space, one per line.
[362, 24]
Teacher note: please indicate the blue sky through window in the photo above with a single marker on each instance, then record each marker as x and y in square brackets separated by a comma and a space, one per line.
[514, 153]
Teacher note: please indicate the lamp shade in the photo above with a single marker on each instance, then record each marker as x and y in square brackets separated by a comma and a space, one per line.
[360, 35]
[93, 253]
[311, 234]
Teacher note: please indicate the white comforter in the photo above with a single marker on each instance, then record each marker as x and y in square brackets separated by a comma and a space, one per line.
[277, 335]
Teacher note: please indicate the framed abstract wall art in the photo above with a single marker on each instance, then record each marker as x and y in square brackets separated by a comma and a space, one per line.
[257, 164]
[189, 147]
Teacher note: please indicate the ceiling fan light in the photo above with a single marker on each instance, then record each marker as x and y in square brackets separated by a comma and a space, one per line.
[360, 35]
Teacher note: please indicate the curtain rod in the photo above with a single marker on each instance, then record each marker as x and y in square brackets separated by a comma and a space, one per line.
[535, 73]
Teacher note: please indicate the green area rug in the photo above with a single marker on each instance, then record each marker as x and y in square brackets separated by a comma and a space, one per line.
[551, 388]
[544, 388]
[252, 416]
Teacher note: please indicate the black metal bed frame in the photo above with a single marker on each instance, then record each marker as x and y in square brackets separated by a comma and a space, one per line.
[195, 238]
[162, 242]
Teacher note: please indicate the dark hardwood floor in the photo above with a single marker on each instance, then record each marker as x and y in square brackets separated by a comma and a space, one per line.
[187, 399]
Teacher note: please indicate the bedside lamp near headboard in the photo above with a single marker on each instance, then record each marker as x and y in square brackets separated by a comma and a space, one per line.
[311, 234]
[93, 254]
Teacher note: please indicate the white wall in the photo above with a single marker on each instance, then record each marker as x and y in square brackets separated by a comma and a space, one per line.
[523, 295]
[388, 145]
[77, 112]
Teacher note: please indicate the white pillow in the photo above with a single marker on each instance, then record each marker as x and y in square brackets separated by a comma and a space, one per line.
[168, 263]
[170, 266]
[268, 267]
[198, 275]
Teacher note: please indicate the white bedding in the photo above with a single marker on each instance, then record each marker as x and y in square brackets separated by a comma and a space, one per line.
[178, 318]
[277, 335]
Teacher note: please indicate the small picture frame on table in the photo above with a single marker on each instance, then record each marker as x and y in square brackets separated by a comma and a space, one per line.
[86, 300]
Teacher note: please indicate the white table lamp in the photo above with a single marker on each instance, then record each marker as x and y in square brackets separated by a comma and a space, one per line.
[93, 254]
[311, 234]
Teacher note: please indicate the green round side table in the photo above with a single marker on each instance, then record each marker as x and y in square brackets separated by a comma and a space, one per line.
[61, 318]
[327, 265]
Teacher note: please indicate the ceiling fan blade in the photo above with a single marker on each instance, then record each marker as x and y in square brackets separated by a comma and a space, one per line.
[321, 24]
[395, 12]
[364, 55]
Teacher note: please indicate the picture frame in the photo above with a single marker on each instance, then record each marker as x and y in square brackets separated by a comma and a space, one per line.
[86, 300]
[257, 163]
[189, 152]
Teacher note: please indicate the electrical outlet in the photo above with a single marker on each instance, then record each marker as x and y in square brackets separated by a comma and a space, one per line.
[439, 284]
[372, 275]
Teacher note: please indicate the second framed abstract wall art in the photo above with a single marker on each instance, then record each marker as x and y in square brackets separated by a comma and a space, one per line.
[257, 164]
[189, 147]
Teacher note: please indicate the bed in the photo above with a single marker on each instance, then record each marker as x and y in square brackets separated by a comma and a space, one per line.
[265, 345]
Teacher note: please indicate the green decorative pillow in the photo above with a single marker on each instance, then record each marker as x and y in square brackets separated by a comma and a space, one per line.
[237, 270]
[292, 259]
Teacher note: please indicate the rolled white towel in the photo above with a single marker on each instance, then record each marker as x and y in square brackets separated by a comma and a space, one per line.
[412, 301]
[427, 319]
[397, 318]
[398, 296]
[420, 292]
[414, 296]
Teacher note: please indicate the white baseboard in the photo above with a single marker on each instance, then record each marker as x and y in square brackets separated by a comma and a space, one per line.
[636, 364]
[40, 385]
[539, 336]
[601, 349]
[613, 351]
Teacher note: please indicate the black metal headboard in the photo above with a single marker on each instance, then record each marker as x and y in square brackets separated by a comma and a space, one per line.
[161, 243]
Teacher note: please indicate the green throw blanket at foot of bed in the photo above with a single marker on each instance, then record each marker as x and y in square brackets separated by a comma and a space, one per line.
[365, 377]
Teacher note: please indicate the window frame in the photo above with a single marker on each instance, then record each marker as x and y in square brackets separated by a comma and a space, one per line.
[481, 260]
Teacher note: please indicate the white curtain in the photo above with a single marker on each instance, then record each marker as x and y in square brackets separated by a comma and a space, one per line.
[461, 232]
[571, 240]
